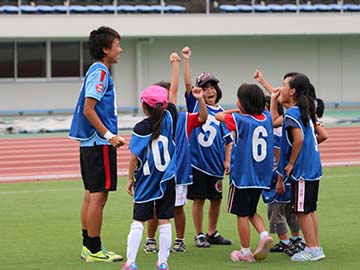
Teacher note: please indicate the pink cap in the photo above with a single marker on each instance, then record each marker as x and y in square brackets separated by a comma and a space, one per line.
[154, 94]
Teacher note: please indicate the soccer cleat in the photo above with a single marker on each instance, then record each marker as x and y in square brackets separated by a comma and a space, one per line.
[263, 249]
[84, 252]
[237, 256]
[309, 255]
[162, 266]
[299, 243]
[150, 246]
[179, 246]
[289, 249]
[129, 266]
[201, 242]
[217, 239]
[103, 256]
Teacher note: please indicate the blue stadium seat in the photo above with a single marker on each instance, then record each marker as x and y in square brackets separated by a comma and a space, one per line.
[7, 9]
[261, 8]
[322, 8]
[27, 9]
[176, 8]
[43, 9]
[145, 9]
[351, 7]
[109, 8]
[95, 9]
[335, 7]
[126, 9]
[77, 9]
[307, 8]
[228, 8]
[60, 9]
[290, 7]
[159, 8]
[244, 8]
[276, 8]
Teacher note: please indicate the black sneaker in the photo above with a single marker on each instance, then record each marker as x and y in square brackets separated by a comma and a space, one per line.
[289, 249]
[150, 246]
[279, 247]
[217, 239]
[201, 242]
[299, 243]
[179, 246]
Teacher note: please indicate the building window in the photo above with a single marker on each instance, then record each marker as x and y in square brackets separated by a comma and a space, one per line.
[31, 59]
[7, 60]
[65, 59]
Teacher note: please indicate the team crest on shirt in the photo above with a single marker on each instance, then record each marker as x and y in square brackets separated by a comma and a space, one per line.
[218, 186]
[99, 87]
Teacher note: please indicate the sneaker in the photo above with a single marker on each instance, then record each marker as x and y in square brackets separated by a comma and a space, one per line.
[237, 256]
[217, 239]
[103, 256]
[263, 249]
[299, 243]
[129, 266]
[162, 266]
[289, 249]
[113, 254]
[309, 255]
[84, 252]
[150, 246]
[201, 242]
[179, 246]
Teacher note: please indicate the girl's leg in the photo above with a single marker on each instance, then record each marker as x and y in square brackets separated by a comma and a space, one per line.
[316, 228]
[180, 221]
[213, 215]
[258, 223]
[244, 231]
[134, 240]
[197, 214]
[164, 240]
[308, 229]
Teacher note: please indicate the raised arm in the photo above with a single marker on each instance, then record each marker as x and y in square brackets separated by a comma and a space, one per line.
[203, 113]
[276, 118]
[186, 53]
[174, 84]
[221, 115]
[260, 78]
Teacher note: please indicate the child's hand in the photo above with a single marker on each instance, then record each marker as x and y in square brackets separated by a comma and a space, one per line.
[275, 95]
[174, 57]
[197, 92]
[258, 75]
[130, 186]
[186, 53]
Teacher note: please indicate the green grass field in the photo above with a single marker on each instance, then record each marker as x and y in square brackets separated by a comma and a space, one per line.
[40, 228]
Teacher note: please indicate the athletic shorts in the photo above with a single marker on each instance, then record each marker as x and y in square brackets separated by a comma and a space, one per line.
[181, 192]
[280, 217]
[164, 206]
[243, 202]
[98, 165]
[304, 196]
[205, 186]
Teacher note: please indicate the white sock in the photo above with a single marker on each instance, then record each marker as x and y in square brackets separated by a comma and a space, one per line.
[245, 251]
[263, 234]
[164, 242]
[134, 240]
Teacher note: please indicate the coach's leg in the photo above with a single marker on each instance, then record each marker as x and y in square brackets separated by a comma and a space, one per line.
[83, 215]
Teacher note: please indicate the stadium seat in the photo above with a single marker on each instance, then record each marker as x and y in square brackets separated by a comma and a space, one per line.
[290, 7]
[126, 9]
[351, 7]
[176, 8]
[159, 8]
[228, 8]
[27, 9]
[276, 8]
[322, 8]
[94, 9]
[60, 9]
[109, 8]
[43, 9]
[145, 9]
[335, 7]
[261, 8]
[307, 8]
[7, 9]
[77, 9]
[244, 8]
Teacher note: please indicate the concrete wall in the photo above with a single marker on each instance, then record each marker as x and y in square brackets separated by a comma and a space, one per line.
[332, 61]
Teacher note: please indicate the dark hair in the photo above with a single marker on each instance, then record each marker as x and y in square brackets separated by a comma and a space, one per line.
[163, 84]
[279, 106]
[157, 114]
[318, 102]
[99, 39]
[251, 98]
[301, 84]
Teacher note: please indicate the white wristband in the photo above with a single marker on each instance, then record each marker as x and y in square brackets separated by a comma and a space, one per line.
[108, 135]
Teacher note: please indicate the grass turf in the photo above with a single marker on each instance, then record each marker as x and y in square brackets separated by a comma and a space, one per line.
[40, 228]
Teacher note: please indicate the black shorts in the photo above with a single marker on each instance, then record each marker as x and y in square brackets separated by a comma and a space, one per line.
[243, 202]
[304, 196]
[164, 206]
[98, 167]
[204, 186]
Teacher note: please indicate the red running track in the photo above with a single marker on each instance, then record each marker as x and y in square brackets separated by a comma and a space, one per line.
[58, 157]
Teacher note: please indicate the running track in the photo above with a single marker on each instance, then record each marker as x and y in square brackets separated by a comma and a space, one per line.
[58, 157]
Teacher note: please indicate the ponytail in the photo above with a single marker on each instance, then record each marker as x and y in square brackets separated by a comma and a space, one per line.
[157, 116]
